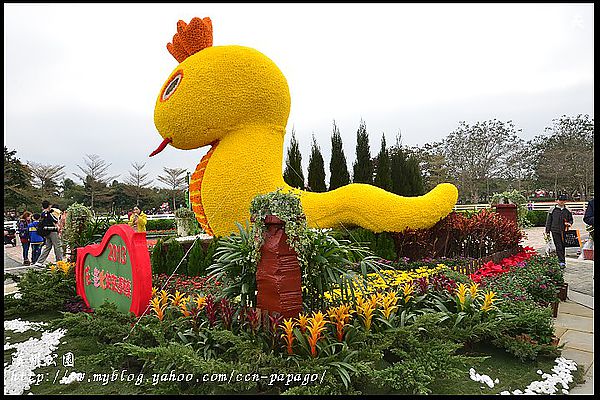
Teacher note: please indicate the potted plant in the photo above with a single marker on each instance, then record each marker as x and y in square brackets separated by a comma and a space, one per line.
[186, 222]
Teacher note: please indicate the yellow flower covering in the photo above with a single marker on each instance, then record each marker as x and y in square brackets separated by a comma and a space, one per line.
[394, 280]
[237, 100]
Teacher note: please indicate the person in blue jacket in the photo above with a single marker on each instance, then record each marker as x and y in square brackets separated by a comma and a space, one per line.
[35, 240]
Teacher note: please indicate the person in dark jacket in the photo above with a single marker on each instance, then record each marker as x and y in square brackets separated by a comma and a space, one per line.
[558, 221]
[588, 218]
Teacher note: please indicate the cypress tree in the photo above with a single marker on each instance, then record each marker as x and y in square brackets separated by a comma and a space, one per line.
[338, 168]
[397, 169]
[383, 178]
[316, 169]
[292, 174]
[363, 166]
[414, 177]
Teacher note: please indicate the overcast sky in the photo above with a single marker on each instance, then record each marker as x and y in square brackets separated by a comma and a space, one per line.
[83, 78]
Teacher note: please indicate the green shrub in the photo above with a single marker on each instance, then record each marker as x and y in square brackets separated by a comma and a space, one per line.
[158, 259]
[537, 217]
[381, 244]
[41, 291]
[196, 260]
[199, 259]
[173, 256]
[160, 224]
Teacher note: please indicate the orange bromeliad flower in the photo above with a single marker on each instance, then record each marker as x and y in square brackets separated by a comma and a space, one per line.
[288, 335]
[340, 316]
[164, 297]
[389, 304]
[158, 308]
[366, 313]
[408, 291]
[302, 321]
[184, 308]
[177, 298]
[154, 291]
[316, 326]
[200, 301]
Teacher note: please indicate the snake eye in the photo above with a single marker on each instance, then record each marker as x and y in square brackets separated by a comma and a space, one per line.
[172, 86]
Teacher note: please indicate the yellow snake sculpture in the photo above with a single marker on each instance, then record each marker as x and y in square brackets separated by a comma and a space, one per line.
[237, 100]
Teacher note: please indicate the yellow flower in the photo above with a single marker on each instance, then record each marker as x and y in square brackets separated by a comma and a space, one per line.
[288, 335]
[302, 321]
[340, 316]
[177, 298]
[200, 301]
[488, 301]
[461, 292]
[158, 308]
[184, 309]
[154, 291]
[366, 313]
[316, 326]
[473, 289]
[389, 304]
[407, 291]
[164, 297]
[53, 267]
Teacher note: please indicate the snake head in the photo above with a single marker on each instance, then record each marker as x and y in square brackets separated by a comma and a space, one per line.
[217, 89]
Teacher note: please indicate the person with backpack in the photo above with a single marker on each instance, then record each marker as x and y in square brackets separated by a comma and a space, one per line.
[48, 229]
[36, 241]
[23, 229]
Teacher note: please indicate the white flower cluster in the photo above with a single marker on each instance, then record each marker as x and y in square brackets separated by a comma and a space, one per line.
[31, 354]
[482, 378]
[73, 376]
[562, 375]
[17, 325]
[18, 295]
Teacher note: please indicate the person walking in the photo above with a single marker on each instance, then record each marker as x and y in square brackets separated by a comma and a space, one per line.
[559, 220]
[48, 228]
[588, 218]
[35, 240]
[23, 229]
[138, 220]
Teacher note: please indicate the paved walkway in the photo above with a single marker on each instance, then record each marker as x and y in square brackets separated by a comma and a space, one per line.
[575, 322]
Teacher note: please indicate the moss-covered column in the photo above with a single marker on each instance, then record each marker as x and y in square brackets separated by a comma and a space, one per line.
[278, 278]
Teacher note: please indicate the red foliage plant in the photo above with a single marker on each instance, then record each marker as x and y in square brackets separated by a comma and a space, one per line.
[456, 235]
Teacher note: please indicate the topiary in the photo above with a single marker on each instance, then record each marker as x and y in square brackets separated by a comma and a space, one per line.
[157, 259]
[173, 256]
[196, 260]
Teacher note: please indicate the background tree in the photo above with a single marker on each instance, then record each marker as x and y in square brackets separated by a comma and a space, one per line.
[519, 170]
[477, 154]
[46, 177]
[293, 174]
[338, 167]
[433, 165]
[316, 169]
[95, 177]
[123, 196]
[72, 193]
[363, 166]
[414, 178]
[176, 181]
[138, 180]
[564, 159]
[17, 183]
[398, 168]
[383, 177]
